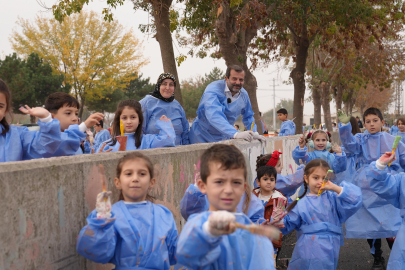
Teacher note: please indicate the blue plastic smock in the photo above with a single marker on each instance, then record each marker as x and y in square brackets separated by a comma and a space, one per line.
[287, 128]
[216, 117]
[194, 202]
[153, 108]
[71, 140]
[239, 250]
[137, 236]
[318, 221]
[21, 144]
[166, 138]
[87, 147]
[336, 162]
[402, 134]
[392, 188]
[394, 130]
[101, 136]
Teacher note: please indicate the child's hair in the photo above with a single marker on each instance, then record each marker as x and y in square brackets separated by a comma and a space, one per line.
[6, 92]
[133, 104]
[355, 125]
[101, 122]
[283, 111]
[373, 111]
[309, 169]
[57, 100]
[402, 119]
[266, 170]
[237, 126]
[230, 158]
[133, 156]
[262, 161]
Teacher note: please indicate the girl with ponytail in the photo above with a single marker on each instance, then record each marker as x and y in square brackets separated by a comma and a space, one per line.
[318, 219]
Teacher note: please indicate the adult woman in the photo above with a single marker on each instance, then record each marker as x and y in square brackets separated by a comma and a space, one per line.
[161, 102]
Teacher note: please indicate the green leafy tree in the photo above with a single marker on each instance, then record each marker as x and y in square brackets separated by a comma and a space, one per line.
[31, 81]
[138, 88]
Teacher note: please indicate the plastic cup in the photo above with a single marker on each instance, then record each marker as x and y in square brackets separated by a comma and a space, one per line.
[123, 142]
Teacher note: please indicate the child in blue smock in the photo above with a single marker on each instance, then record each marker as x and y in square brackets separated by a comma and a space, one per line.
[391, 187]
[134, 233]
[101, 136]
[287, 127]
[320, 141]
[210, 240]
[401, 129]
[18, 143]
[318, 219]
[377, 218]
[130, 113]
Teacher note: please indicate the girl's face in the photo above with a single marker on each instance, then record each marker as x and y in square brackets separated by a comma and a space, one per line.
[134, 181]
[401, 126]
[279, 166]
[3, 106]
[315, 179]
[130, 120]
[167, 88]
[320, 141]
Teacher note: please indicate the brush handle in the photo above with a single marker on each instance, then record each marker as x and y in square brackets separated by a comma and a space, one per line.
[393, 152]
[323, 184]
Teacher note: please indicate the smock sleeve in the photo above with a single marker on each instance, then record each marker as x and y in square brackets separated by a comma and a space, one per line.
[339, 162]
[298, 154]
[165, 138]
[193, 202]
[350, 142]
[289, 184]
[348, 201]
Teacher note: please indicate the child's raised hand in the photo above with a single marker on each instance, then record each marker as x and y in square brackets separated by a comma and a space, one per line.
[343, 117]
[164, 118]
[36, 111]
[102, 149]
[221, 222]
[93, 119]
[301, 142]
[331, 186]
[279, 209]
[103, 204]
[336, 148]
[387, 158]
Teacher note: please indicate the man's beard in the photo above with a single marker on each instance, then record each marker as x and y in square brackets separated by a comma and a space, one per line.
[232, 88]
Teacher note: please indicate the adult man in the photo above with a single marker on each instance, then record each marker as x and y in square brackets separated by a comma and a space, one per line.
[220, 106]
[102, 135]
[359, 122]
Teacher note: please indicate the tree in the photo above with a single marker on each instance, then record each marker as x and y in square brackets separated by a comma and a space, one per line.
[164, 23]
[371, 96]
[93, 55]
[31, 81]
[138, 88]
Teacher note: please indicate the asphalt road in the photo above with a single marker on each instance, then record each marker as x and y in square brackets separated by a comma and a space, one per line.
[354, 254]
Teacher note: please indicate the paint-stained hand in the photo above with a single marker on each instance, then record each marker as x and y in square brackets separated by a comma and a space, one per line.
[101, 150]
[279, 209]
[103, 204]
[387, 158]
[221, 222]
[164, 118]
[302, 142]
[343, 117]
[336, 148]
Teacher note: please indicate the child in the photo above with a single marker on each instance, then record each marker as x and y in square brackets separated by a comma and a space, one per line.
[376, 218]
[401, 127]
[65, 108]
[269, 195]
[318, 219]
[18, 143]
[390, 187]
[134, 233]
[102, 135]
[321, 142]
[130, 113]
[210, 240]
[394, 129]
[287, 127]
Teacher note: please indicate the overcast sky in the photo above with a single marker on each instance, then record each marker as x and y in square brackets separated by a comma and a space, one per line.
[28, 9]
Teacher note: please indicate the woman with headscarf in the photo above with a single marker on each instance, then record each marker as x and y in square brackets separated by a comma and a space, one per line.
[161, 102]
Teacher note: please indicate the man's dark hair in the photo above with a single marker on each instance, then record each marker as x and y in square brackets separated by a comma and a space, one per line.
[55, 101]
[266, 170]
[357, 117]
[372, 111]
[228, 156]
[237, 125]
[283, 111]
[237, 68]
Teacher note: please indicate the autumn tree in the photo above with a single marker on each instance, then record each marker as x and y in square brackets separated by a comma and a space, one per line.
[164, 22]
[372, 96]
[93, 55]
[30, 81]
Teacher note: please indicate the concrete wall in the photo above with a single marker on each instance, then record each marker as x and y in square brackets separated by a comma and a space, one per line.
[44, 203]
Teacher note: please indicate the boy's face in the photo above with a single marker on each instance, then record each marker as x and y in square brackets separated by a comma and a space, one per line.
[67, 116]
[401, 126]
[224, 188]
[3, 106]
[373, 123]
[267, 183]
[282, 117]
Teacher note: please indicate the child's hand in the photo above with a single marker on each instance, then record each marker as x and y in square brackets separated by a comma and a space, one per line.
[102, 149]
[279, 209]
[336, 148]
[387, 158]
[343, 117]
[331, 186]
[93, 119]
[221, 222]
[36, 111]
[103, 204]
[164, 118]
[302, 142]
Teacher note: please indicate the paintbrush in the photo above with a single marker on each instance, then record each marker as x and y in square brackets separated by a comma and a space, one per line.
[121, 128]
[394, 146]
[268, 231]
[251, 128]
[329, 174]
[103, 179]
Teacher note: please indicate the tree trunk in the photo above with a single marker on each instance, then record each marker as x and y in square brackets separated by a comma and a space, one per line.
[298, 76]
[82, 102]
[316, 98]
[326, 106]
[233, 46]
[338, 98]
[161, 12]
[32, 119]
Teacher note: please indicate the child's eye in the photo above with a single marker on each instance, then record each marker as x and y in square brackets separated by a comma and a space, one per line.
[128, 174]
[237, 183]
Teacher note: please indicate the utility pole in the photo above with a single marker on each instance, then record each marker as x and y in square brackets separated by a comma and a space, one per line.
[274, 104]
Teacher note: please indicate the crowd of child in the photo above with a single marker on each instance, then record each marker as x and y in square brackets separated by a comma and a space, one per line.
[367, 195]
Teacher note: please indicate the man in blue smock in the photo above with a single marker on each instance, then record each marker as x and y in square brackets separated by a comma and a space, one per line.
[220, 106]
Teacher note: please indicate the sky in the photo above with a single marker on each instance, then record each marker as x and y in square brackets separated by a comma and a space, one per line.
[130, 19]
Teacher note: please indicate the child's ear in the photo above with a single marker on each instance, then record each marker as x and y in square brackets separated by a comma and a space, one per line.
[202, 186]
[383, 122]
[257, 181]
[306, 179]
[117, 183]
[152, 183]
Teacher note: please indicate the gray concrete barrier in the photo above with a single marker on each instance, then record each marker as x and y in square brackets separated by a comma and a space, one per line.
[44, 203]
